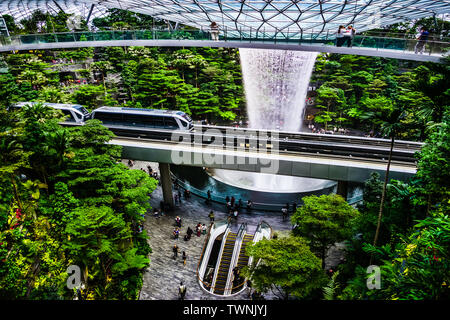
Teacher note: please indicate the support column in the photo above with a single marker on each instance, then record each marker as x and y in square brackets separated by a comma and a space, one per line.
[342, 189]
[166, 182]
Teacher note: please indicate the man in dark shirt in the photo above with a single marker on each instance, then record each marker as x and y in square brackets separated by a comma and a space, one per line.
[422, 38]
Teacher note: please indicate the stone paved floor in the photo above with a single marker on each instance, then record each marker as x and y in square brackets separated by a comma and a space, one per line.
[163, 276]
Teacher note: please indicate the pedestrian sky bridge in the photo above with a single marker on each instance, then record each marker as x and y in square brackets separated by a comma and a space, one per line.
[305, 16]
[397, 47]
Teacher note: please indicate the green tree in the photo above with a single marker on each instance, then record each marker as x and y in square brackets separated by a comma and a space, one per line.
[286, 266]
[391, 127]
[433, 169]
[324, 221]
[331, 99]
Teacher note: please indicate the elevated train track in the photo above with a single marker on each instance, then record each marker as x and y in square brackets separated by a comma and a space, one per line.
[337, 146]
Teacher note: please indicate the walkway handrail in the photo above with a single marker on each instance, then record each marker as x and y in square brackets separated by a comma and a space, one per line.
[325, 34]
[205, 284]
[365, 39]
[241, 230]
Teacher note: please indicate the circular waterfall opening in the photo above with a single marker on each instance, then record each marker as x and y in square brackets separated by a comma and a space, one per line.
[276, 84]
[265, 182]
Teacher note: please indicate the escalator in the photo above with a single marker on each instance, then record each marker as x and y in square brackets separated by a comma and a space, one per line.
[243, 258]
[224, 267]
[242, 262]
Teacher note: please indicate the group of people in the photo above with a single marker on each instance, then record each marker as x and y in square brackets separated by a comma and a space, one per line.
[175, 251]
[345, 36]
[199, 230]
[233, 207]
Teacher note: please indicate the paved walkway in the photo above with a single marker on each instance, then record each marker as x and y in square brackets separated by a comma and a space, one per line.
[163, 276]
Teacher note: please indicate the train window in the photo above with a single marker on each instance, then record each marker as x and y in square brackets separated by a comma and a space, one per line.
[154, 121]
[170, 123]
[135, 119]
[70, 117]
[108, 117]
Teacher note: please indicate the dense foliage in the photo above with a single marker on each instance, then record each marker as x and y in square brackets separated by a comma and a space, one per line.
[66, 200]
[362, 92]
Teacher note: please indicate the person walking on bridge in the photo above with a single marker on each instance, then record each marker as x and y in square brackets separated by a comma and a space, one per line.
[214, 31]
[422, 38]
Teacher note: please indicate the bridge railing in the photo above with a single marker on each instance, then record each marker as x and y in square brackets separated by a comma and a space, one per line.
[399, 42]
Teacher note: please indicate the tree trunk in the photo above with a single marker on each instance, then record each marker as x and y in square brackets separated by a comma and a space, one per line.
[104, 85]
[323, 253]
[383, 195]
[16, 194]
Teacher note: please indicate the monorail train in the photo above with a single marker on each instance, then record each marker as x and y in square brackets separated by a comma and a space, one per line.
[143, 118]
[74, 112]
[115, 117]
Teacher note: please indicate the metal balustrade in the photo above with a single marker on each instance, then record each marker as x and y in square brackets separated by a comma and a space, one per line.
[398, 42]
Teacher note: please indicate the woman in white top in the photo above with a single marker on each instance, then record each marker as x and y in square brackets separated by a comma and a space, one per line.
[340, 36]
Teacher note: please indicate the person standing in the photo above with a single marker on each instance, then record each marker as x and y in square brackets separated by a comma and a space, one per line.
[184, 257]
[199, 229]
[182, 291]
[348, 36]
[284, 213]
[249, 205]
[211, 216]
[204, 229]
[340, 36]
[189, 232]
[175, 251]
[214, 31]
[422, 38]
[209, 196]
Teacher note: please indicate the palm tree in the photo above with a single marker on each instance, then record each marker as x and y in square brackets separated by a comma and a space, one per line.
[390, 127]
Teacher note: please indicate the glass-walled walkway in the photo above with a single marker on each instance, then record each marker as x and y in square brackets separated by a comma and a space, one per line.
[381, 42]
